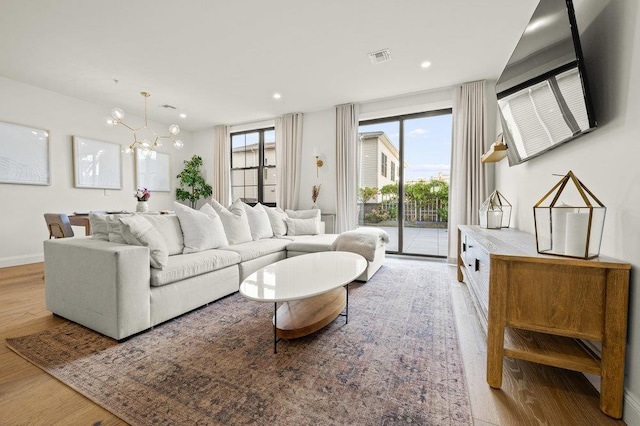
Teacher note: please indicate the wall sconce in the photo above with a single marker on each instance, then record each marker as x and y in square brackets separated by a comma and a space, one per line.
[319, 162]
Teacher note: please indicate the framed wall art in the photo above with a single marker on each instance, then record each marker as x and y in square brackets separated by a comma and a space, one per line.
[96, 164]
[24, 155]
[153, 170]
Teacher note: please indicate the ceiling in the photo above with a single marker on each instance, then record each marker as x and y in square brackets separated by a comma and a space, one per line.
[220, 62]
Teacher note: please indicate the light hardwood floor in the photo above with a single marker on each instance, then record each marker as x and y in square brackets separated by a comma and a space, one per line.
[531, 394]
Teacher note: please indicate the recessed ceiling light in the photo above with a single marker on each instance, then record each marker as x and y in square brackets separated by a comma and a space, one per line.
[183, 115]
[277, 96]
[425, 64]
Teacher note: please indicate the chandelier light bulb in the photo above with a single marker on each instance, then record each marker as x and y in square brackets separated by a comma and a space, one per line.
[157, 143]
[117, 114]
[126, 149]
[146, 143]
[178, 144]
[174, 129]
[110, 121]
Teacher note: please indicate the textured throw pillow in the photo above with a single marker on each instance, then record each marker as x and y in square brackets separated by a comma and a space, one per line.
[310, 226]
[259, 223]
[99, 227]
[235, 222]
[168, 225]
[277, 218]
[303, 214]
[114, 227]
[138, 231]
[201, 230]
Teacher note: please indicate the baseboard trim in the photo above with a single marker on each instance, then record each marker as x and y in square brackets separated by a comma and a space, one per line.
[631, 409]
[6, 262]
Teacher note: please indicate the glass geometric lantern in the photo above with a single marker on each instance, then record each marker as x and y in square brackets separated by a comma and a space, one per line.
[495, 212]
[569, 220]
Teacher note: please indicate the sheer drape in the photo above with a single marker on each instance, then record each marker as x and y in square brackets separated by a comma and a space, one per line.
[222, 165]
[347, 167]
[288, 156]
[468, 177]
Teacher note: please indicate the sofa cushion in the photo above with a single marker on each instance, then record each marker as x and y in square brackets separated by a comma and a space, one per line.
[277, 219]
[99, 227]
[255, 249]
[138, 231]
[312, 243]
[183, 266]
[303, 214]
[235, 222]
[310, 226]
[258, 218]
[115, 227]
[168, 225]
[202, 230]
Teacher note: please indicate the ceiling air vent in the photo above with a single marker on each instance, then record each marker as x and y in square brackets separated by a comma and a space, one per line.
[380, 56]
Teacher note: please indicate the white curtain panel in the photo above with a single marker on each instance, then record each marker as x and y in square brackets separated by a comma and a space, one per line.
[222, 165]
[288, 160]
[347, 167]
[468, 176]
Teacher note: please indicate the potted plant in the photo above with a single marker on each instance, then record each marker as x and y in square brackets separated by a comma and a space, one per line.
[192, 185]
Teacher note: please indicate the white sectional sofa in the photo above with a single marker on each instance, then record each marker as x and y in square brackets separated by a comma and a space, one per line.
[110, 287]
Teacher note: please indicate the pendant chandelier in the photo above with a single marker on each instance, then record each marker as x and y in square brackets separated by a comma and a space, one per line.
[143, 137]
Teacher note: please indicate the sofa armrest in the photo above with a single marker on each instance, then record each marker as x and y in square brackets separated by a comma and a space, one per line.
[102, 285]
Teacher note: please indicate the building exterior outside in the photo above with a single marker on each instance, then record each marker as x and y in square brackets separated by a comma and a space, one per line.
[379, 162]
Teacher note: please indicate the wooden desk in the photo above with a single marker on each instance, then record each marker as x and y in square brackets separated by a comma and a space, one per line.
[542, 308]
[81, 220]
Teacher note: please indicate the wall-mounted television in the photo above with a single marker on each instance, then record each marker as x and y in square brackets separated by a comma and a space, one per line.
[543, 95]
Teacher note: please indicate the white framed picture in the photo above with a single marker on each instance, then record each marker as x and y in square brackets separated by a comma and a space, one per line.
[96, 164]
[24, 155]
[153, 170]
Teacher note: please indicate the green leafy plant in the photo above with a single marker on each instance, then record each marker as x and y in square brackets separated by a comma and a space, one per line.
[192, 185]
[377, 215]
[365, 194]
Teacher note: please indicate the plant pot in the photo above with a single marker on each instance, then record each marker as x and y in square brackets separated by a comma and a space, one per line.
[142, 207]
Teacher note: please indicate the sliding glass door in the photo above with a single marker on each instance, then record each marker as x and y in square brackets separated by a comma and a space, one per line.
[403, 187]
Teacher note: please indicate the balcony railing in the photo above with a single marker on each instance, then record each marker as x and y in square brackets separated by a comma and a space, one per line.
[432, 213]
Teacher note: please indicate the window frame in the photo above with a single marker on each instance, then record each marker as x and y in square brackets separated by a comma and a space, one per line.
[261, 168]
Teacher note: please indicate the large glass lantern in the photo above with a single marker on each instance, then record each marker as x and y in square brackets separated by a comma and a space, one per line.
[495, 212]
[569, 220]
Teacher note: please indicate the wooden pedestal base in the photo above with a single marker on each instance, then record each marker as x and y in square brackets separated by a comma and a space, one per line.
[300, 318]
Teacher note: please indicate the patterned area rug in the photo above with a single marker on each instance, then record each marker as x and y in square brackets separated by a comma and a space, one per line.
[396, 362]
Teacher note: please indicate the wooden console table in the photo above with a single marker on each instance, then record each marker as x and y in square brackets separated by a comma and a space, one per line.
[540, 308]
[81, 220]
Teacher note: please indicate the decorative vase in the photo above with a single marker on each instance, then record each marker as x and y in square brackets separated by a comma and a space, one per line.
[142, 207]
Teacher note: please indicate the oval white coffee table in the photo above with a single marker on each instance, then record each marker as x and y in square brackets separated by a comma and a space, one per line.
[311, 288]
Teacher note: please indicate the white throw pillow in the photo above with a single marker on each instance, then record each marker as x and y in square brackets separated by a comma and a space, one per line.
[303, 214]
[115, 228]
[235, 222]
[201, 230]
[277, 218]
[168, 225]
[310, 226]
[258, 220]
[99, 227]
[138, 231]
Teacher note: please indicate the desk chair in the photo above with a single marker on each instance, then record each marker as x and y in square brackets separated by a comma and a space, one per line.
[58, 225]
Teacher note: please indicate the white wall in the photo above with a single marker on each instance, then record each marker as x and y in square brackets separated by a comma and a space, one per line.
[22, 226]
[606, 161]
